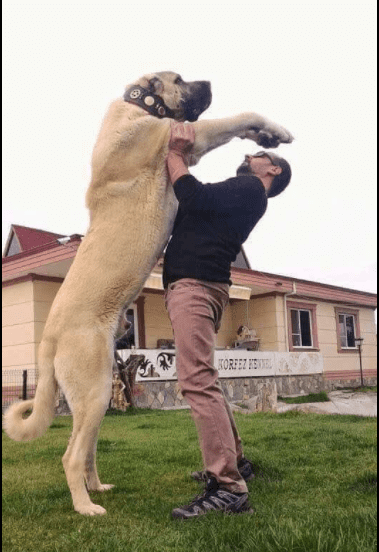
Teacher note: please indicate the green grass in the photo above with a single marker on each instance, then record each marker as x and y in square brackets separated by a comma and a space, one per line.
[315, 490]
[312, 397]
[365, 389]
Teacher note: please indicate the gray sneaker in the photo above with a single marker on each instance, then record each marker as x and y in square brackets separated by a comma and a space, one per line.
[200, 476]
[217, 499]
[245, 467]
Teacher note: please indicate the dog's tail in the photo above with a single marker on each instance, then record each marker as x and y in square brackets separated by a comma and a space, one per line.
[21, 428]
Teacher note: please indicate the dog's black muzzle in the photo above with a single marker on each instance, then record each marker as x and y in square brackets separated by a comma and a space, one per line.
[196, 99]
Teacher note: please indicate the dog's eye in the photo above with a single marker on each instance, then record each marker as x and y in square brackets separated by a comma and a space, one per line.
[178, 80]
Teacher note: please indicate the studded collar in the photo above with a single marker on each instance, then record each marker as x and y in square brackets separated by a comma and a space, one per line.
[150, 102]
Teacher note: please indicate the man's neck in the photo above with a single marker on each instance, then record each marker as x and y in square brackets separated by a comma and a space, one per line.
[267, 182]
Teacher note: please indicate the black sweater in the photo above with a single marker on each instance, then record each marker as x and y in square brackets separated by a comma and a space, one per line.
[212, 223]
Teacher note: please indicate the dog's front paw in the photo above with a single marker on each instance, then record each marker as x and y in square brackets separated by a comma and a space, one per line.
[268, 134]
[267, 140]
[275, 134]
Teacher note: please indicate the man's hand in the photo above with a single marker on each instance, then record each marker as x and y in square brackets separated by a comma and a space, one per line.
[182, 138]
[180, 145]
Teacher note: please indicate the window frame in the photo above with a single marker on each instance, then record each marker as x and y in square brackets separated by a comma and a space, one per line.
[312, 308]
[134, 308]
[347, 312]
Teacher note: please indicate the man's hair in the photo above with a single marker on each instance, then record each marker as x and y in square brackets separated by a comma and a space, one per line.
[280, 181]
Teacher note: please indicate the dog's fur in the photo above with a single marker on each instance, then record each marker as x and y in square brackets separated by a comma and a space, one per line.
[132, 209]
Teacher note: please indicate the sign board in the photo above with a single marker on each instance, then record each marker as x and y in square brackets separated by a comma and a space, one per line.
[160, 365]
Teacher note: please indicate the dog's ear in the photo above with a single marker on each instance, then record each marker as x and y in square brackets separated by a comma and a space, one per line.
[156, 85]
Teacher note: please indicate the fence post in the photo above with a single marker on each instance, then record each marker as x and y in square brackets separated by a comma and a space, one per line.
[24, 384]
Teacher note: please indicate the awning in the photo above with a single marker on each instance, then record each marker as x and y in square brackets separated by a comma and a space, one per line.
[154, 282]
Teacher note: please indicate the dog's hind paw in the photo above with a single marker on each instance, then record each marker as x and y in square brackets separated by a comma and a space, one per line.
[91, 509]
[105, 487]
[98, 487]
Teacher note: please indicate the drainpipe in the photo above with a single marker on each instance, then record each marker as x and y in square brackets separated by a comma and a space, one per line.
[293, 292]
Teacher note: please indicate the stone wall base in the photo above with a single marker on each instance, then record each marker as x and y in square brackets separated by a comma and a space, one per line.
[331, 385]
[167, 394]
[259, 393]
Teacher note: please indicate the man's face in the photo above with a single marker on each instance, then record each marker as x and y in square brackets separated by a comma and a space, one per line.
[254, 166]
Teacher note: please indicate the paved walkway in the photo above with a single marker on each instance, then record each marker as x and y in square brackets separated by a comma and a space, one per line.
[341, 402]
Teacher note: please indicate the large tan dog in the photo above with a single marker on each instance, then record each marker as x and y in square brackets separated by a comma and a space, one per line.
[132, 208]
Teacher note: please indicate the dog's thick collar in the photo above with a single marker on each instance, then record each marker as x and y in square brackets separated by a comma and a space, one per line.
[150, 102]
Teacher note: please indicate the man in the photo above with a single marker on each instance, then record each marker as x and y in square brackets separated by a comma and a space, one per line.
[212, 223]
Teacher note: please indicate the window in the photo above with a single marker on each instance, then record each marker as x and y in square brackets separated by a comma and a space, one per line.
[347, 330]
[347, 323]
[130, 339]
[301, 328]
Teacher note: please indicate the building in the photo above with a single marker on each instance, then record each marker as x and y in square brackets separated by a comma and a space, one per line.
[288, 315]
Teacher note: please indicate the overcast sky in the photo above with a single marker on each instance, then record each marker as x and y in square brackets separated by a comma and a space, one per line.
[310, 66]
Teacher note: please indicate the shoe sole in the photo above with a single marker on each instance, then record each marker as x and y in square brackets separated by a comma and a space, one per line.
[200, 479]
[226, 512]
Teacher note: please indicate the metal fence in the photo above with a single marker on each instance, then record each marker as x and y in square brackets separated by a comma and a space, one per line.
[18, 384]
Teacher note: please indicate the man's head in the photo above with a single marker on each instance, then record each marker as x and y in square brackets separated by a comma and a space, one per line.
[272, 170]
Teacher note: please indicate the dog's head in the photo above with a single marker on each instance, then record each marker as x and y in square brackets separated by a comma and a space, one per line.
[186, 100]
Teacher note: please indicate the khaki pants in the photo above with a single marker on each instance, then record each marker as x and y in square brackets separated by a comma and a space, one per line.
[195, 309]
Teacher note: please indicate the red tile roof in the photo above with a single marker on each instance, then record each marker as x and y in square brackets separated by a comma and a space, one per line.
[29, 238]
[40, 248]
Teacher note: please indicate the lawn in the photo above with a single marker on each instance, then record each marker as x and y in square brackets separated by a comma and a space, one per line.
[311, 398]
[315, 489]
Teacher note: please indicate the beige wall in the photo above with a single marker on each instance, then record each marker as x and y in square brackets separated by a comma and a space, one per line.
[266, 316]
[158, 326]
[26, 306]
[327, 335]
[18, 326]
[228, 329]
[44, 295]
[25, 309]
[157, 322]
[262, 315]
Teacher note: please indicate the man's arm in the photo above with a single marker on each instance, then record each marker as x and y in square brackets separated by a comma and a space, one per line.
[181, 142]
[241, 192]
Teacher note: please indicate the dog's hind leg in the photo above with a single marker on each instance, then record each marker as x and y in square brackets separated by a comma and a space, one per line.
[79, 459]
[87, 388]
[91, 476]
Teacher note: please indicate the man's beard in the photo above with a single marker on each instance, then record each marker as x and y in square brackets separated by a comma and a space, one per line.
[244, 169]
